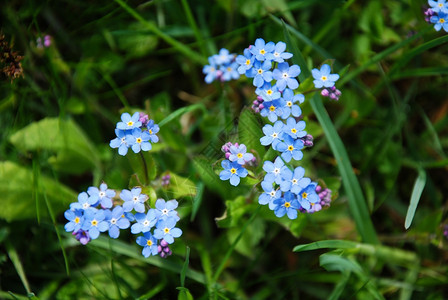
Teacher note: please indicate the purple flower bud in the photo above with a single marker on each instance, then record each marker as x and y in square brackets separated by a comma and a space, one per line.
[325, 93]
[163, 243]
[227, 155]
[333, 96]
[144, 119]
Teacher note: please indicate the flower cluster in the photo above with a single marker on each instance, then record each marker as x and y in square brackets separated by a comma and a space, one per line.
[437, 14]
[136, 132]
[10, 60]
[234, 164]
[222, 66]
[323, 79]
[95, 213]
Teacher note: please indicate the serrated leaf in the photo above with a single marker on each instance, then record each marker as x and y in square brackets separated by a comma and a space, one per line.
[17, 193]
[250, 133]
[74, 152]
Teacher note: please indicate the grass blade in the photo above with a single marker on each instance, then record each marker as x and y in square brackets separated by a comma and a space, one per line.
[14, 257]
[185, 268]
[419, 185]
[197, 200]
[181, 111]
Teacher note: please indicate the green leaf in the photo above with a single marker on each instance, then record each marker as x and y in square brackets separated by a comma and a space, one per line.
[184, 294]
[336, 244]
[14, 257]
[74, 153]
[203, 167]
[249, 132]
[17, 191]
[181, 187]
[235, 210]
[185, 268]
[197, 200]
[417, 191]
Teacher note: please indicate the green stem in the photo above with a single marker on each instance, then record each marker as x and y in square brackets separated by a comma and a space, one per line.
[145, 168]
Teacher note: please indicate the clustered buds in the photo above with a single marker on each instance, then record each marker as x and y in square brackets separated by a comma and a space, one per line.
[333, 93]
[166, 180]
[10, 60]
[437, 14]
[257, 104]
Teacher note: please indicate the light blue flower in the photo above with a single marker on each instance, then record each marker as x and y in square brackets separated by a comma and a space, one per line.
[232, 171]
[166, 209]
[84, 201]
[144, 221]
[117, 221]
[270, 194]
[140, 140]
[210, 71]
[273, 170]
[286, 76]
[75, 218]
[94, 223]
[294, 129]
[261, 73]
[440, 21]
[104, 195]
[245, 61]
[268, 92]
[149, 244]
[287, 205]
[293, 181]
[120, 141]
[308, 196]
[223, 57]
[272, 109]
[263, 51]
[128, 122]
[279, 52]
[290, 106]
[239, 154]
[290, 148]
[272, 134]
[323, 78]
[230, 72]
[165, 230]
[440, 6]
[133, 199]
[152, 128]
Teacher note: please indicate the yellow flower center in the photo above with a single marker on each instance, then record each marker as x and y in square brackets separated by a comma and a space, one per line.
[440, 5]
[77, 220]
[247, 61]
[269, 92]
[150, 131]
[442, 20]
[149, 242]
[290, 148]
[139, 140]
[260, 71]
[293, 130]
[239, 155]
[304, 195]
[287, 204]
[294, 181]
[272, 108]
[262, 51]
[229, 69]
[274, 135]
[323, 78]
[122, 215]
[289, 103]
[233, 170]
[166, 230]
[94, 222]
[130, 123]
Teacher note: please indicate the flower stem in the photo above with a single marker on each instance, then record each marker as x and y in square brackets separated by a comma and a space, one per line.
[145, 168]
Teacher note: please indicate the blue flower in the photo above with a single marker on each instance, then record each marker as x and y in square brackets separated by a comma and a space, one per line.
[84, 201]
[223, 57]
[153, 129]
[272, 134]
[104, 195]
[268, 92]
[245, 61]
[94, 223]
[165, 230]
[286, 76]
[308, 197]
[120, 141]
[290, 148]
[261, 73]
[149, 244]
[293, 129]
[323, 78]
[263, 51]
[287, 205]
[232, 171]
[439, 6]
[440, 21]
[166, 209]
[128, 122]
[272, 109]
[290, 107]
[270, 194]
[133, 199]
[293, 182]
[117, 221]
[210, 71]
[279, 52]
[75, 218]
[144, 221]
[140, 140]
[238, 154]
[230, 72]
[273, 170]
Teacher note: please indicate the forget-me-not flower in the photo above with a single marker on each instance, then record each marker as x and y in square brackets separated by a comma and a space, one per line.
[323, 78]
[273, 133]
[288, 205]
[308, 196]
[440, 21]
[128, 122]
[293, 181]
[268, 92]
[94, 223]
[75, 218]
[144, 221]
[166, 209]
[290, 148]
[270, 194]
[133, 199]
[273, 170]
[117, 221]
[263, 51]
[290, 107]
[294, 129]
[149, 244]
[239, 154]
[286, 76]
[165, 230]
[279, 52]
[104, 195]
[232, 171]
[245, 61]
[439, 6]
[272, 109]
[121, 141]
[261, 73]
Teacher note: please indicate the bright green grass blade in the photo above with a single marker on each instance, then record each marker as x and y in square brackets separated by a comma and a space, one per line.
[173, 42]
[419, 185]
[192, 22]
[336, 244]
[14, 257]
[356, 200]
[298, 57]
[197, 200]
[420, 72]
[183, 273]
[177, 113]
[381, 55]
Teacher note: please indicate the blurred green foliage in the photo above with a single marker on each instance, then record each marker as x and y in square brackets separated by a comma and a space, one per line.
[107, 57]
